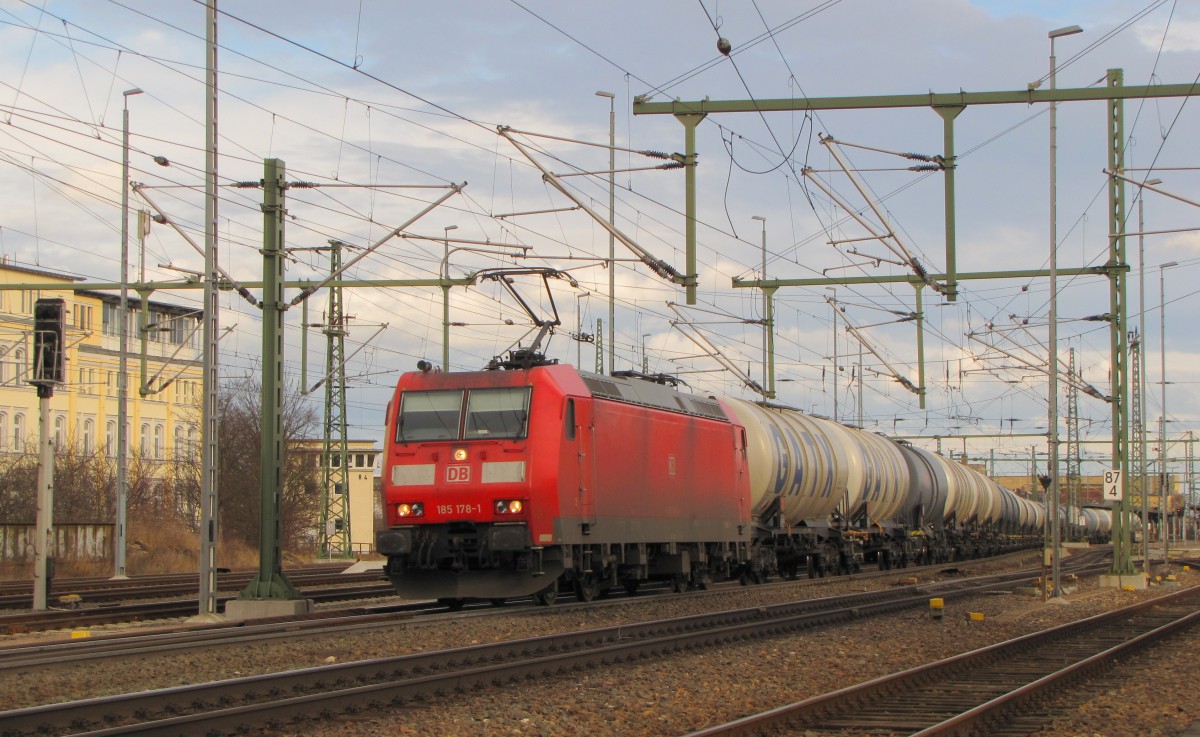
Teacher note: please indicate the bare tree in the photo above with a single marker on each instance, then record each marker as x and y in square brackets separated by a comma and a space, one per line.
[239, 469]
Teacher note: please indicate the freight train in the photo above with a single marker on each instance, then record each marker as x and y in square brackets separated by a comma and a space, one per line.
[541, 478]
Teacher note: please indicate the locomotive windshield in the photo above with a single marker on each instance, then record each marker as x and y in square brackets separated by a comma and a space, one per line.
[497, 413]
[429, 416]
[438, 415]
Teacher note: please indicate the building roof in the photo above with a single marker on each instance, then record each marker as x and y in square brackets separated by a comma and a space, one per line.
[7, 265]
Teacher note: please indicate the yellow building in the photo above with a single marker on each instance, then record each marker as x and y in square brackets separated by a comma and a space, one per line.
[162, 410]
[362, 502]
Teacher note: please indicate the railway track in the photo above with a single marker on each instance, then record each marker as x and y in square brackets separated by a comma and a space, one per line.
[19, 595]
[321, 585]
[992, 691]
[225, 707]
[25, 654]
[323, 590]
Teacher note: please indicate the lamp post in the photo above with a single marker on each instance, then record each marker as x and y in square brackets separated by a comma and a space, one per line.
[1052, 435]
[123, 347]
[1162, 419]
[1141, 397]
[612, 204]
[446, 297]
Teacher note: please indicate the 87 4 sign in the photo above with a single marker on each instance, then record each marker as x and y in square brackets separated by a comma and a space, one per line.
[1112, 485]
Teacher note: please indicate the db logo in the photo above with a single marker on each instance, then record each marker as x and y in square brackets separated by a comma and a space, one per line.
[458, 474]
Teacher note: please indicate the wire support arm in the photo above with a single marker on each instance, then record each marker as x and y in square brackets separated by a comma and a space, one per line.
[657, 265]
[307, 291]
[345, 360]
[857, 335]
[891, 241]
[140, 190]
[689, 330]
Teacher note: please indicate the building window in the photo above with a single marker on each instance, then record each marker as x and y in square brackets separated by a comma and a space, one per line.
[89, 434]
[110, 318]
[145, 444]
[60, 432]
[159, 440]
[110, 439]
[18, 363]
[83, 316]
[18, 443]
[3, 430]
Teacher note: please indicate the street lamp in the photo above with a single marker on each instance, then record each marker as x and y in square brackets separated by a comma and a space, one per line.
[1052, 436]
[1162, 419]
[446, 297]
[123, 346]
[612, 204]
[1141, 397]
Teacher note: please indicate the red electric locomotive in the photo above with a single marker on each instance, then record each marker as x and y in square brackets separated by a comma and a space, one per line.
[501, 484]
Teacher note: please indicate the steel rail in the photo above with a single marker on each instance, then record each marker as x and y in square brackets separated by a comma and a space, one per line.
[875, 705]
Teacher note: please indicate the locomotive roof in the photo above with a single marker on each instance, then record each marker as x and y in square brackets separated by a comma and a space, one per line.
[650, 394]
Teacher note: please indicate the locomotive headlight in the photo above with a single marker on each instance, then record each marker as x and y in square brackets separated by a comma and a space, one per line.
[515, 506]
[501, 506]
[405, 509]
[460, 454]
[509, 506]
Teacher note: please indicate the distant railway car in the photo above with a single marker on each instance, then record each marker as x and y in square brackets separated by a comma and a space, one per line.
[511, 483]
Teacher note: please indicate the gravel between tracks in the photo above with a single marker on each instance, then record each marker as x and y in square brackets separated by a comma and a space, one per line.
[677, 694]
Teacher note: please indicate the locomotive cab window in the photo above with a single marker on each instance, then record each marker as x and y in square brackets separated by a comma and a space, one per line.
[429, 416]
[497, 413]
[569, 420]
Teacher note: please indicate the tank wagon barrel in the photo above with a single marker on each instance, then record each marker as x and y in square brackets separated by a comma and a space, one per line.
[502, 484]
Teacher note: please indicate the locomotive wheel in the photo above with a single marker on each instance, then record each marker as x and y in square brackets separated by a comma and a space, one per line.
[452, 604]
[546, 596]
[631, 586]
[678, 584]
[499, 601]
[812, 567]
[586, 587]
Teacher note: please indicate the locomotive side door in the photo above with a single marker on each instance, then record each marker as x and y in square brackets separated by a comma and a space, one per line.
[579, 414]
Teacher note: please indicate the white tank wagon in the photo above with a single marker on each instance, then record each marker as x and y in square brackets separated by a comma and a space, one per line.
[1096, 523]
[799, 465]
[828, 497]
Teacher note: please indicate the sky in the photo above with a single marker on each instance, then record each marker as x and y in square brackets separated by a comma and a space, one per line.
[384, 105]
